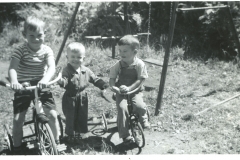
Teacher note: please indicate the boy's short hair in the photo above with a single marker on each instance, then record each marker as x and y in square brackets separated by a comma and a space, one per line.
[75, 47]
[33, 24]
[129, 40]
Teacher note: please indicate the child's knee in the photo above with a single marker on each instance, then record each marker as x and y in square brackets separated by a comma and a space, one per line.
[140, 105]
[52, 115]
[140, 109]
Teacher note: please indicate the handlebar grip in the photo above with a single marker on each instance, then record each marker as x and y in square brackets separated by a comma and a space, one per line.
[2, 83]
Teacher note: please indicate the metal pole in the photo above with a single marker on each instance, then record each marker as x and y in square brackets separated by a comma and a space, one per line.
[66, 33]
[200, 8]
[166, 58]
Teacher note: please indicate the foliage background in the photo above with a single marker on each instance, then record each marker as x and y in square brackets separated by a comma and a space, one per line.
[201, 33]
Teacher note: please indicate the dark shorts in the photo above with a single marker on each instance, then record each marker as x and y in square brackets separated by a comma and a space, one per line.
[23, 100]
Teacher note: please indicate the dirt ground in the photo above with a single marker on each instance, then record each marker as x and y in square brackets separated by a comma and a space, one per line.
[156, 142]
[214, 132]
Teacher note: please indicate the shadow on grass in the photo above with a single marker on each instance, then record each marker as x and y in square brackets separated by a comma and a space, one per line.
[122, 148]
[96, 144]
[25, 151]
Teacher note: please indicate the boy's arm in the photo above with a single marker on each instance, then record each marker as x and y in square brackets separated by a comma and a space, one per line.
[136, 84]
[12, 73]
[114, 71]
[49, 74]
[101, 84]
[96, 81]
[64, 79]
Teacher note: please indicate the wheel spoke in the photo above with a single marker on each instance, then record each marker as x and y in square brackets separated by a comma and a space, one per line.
[137, 133]
[46, 146]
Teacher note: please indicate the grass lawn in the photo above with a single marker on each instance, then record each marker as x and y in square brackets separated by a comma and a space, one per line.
[191, 86]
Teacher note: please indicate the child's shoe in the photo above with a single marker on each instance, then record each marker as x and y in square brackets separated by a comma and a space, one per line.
[78, 138]
[18, 151]
[71, 139]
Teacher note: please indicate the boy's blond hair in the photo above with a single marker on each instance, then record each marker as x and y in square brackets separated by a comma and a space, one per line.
[129, 40]
[76, 47]
[33, 24]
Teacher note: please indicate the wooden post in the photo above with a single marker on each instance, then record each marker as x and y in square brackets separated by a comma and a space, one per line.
[233, 28]
[114, 34]
[166, 58]
[113, 47]
[67, 32]
[125, 18]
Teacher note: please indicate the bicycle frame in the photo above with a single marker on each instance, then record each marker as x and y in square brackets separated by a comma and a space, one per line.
[44, 136]
[135, 126]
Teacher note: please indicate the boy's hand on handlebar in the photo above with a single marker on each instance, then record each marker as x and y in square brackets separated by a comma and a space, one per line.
[124, 89]
[16, 86]
[41, 85]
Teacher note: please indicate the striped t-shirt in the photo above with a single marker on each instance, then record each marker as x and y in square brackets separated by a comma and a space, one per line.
[32, 65]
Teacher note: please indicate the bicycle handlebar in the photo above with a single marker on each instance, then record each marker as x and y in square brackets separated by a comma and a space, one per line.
[133, 91]
[2, 83]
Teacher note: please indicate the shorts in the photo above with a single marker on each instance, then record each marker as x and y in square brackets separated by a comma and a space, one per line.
[23, 100]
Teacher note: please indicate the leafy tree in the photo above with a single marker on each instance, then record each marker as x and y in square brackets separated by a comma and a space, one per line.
[201, 33]
[8, 13]
[205, 33]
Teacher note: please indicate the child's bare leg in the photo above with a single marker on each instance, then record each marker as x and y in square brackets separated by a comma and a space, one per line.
[18, 121]
[53, 122]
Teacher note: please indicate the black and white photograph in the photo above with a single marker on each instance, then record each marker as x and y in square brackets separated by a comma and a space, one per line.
[155, 78]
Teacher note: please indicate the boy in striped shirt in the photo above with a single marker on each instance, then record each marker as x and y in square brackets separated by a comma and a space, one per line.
[32, 62]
